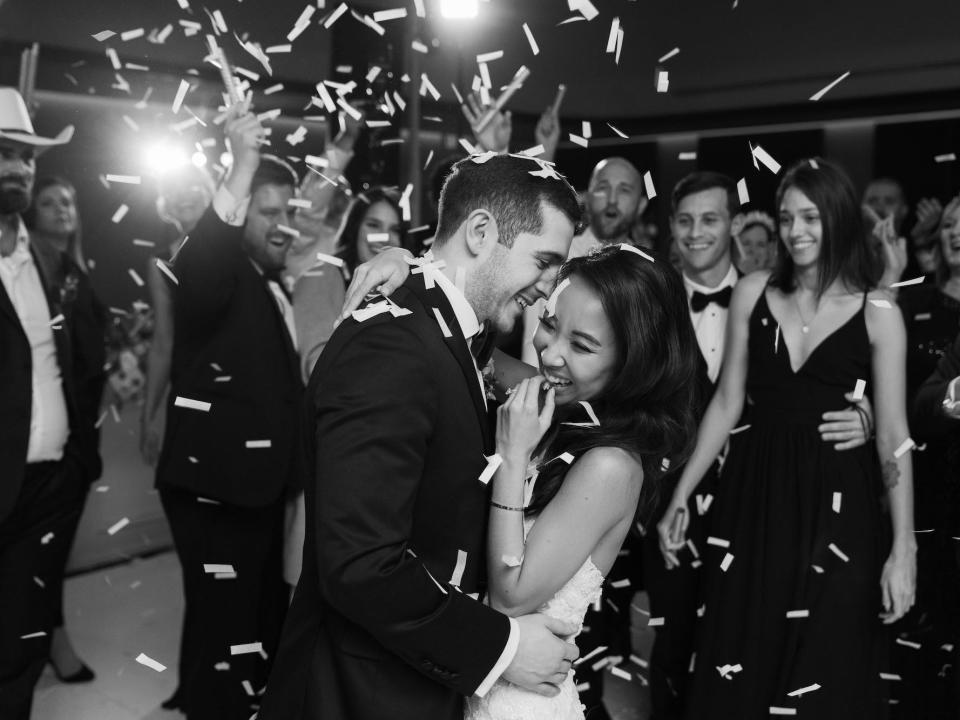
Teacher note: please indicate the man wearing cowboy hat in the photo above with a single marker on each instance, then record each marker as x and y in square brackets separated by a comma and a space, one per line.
[51, 356]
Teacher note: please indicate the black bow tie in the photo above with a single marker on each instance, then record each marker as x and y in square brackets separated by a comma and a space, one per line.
[699, 300]
[483, 344]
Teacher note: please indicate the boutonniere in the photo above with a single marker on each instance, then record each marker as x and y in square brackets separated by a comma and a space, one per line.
[489, 381]
[68, 291]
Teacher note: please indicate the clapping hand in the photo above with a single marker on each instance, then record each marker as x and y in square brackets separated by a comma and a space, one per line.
[495, 136]
[929, 211]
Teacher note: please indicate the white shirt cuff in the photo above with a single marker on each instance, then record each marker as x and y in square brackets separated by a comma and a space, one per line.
[228, 208]
[951, 395]
[506, 657]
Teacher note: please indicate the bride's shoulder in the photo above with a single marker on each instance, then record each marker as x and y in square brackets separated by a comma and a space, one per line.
[607, 468]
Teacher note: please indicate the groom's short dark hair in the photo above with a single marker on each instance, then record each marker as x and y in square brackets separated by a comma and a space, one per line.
[504, 186]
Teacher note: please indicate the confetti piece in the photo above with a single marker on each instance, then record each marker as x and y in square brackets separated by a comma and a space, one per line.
[816, 96]
[612, 37]
[740, 429]
[335, 15]
[257, 444]
[782, 710]
[457, 577]
[719, 542]
[905, 447]
[648, 185]
[211, 569]
[132, 34]
[791, 614]
[627, 247]
[725, 563]
[385, 15]
[908, 643]
[882, 304]
[742, 192]
[817, 569]
[46, 538]
[118, 526]
[511, 561]
[804, 690]
[620, 673]
[904, 283]
[584, 7]
[592, 654]
[39, 634]
[103, 35]
[150, 663]
[427, 87]
[551, 306]
[332, 260]
[764, 157]
[119, 214]
[726, 671]
[838, 552]
[443, 328]
[837, 499]
[619, 584]
[663, 81]
[55, 322]
[578, 140]
[672, 53]
[656, 622]
[948, 157]
[618, 132]
[114, 58]
[135, 277]
[246, 649]
[128, 179]
[534, 48]
[166, 271]
[890, 676]
[191, 404]
[493, 464]
[859, 389]
[687, 156]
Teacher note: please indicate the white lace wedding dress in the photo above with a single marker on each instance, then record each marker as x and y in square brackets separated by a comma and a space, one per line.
[506, 701]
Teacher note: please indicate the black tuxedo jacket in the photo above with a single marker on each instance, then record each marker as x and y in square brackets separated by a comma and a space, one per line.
[397, 434]
[79, 340]
[231, 349]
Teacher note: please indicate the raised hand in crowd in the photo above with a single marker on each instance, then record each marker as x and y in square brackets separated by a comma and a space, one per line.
[547, 132]
[384, 273]
[495, 135]
[929, 211]
[893, 249]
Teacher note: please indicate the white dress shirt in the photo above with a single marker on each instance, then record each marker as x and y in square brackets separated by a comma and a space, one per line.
[470, 326]
[49, 423]
[710, 324]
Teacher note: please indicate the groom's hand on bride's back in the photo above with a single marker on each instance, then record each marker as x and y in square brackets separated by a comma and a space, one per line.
[543, 657]
[383, 273]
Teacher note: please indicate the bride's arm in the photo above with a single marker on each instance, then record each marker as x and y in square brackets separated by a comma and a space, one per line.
[599, 493]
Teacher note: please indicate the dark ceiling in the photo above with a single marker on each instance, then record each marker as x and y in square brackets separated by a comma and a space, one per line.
[733, 55]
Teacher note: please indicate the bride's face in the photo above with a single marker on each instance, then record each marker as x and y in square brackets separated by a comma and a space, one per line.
[576, 345]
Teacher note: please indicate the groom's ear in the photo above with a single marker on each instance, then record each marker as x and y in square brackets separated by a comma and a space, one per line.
[480, 232]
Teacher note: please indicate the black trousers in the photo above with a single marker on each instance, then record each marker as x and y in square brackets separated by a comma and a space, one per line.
[221, 613]
[35, 540]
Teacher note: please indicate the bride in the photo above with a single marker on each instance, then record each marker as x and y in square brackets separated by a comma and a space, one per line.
[611, 406]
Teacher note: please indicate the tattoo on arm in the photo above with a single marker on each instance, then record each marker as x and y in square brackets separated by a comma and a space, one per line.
[891, 474]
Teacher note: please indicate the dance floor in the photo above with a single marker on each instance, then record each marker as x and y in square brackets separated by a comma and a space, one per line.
[115, 614]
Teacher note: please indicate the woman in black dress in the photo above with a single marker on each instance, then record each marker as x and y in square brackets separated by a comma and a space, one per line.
[796, 576]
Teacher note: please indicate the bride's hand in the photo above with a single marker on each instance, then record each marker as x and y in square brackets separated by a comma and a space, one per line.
[672, 530]
[521, 423]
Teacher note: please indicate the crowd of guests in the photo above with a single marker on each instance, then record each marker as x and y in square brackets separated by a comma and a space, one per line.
[803, 558]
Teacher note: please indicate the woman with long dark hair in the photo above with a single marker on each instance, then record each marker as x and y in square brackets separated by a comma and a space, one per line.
[374, 223]
[581, 442]
[796, 572]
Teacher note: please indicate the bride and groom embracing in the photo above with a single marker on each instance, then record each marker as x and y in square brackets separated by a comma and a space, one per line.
[447, 568]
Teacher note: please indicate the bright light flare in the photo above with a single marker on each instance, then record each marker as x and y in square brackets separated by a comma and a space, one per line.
[162, 157]
[199, 159]
[459, 9]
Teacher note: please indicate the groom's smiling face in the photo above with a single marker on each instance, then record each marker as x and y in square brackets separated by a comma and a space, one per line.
[515, 277]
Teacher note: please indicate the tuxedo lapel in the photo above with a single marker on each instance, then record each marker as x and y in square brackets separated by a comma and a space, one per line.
[6, 306]
[293, 358]
[457, 344]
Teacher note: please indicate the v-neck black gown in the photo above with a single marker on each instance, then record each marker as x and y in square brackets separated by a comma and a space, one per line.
[802, 522]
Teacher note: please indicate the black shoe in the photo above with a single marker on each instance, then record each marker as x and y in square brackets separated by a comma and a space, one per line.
[83, 675]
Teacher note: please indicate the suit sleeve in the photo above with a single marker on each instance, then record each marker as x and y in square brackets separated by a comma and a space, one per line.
[206, 268]
[928, 420]
[375, 409]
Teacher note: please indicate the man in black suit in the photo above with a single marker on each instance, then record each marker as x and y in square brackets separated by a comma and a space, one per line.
[230, 452]
[387, 622]
[51, 375]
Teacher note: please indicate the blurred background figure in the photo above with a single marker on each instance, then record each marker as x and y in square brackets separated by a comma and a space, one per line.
[757, 243]
[373, 224]
[184, 194]
[54, 223]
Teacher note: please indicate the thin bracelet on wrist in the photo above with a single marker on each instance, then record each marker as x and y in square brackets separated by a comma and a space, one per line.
[506, 507]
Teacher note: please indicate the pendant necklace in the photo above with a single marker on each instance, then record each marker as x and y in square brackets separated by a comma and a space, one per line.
[804, 325]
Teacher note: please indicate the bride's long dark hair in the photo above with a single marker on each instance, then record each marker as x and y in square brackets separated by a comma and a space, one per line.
[649, 407]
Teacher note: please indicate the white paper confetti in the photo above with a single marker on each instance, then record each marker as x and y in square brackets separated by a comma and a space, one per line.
[191, 404]
[905, 283]
[742, 192]
[246, 649]
[150, 663]
[213, 569]
[551, 306]
[444, 328]
[838, 552]
[119, 214]
[946, 157]
[493, 464]
[793, 614]
[648, 185]
[764, 157]
[672, 53]
[725, 563]
[904, 448]
[331, 259]
[335, 15]
[837, 500]
[774, 710]
[816, 96]
[885, 304]
[859, 389]
[135, 277]
[103, 35]
[457, 576]
[719, 542]
[118, 526]
[804, 690]
[627, 247]
[255, 444]
[181, 94]
[534, 48]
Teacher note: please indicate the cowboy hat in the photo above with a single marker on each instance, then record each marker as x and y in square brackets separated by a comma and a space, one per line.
[15, 125]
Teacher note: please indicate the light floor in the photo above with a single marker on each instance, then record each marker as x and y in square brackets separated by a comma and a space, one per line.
[113, 615]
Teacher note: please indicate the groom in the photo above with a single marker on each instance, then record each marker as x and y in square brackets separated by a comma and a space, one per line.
[387, 622]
